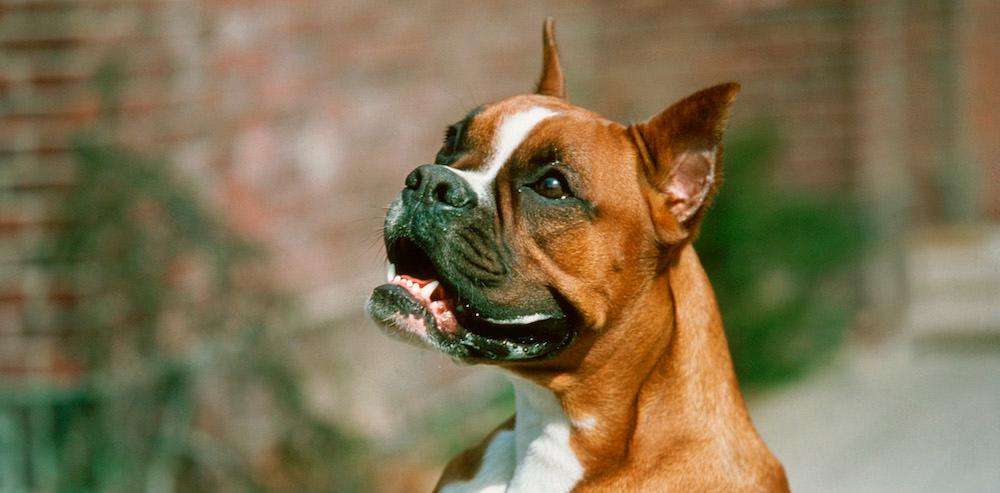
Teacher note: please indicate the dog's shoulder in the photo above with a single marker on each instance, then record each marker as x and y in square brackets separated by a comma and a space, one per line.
[469, 466]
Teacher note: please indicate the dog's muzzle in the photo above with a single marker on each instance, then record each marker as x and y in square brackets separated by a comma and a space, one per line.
[444, 253]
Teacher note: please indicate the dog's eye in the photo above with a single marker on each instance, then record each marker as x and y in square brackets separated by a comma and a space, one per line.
[552, 185]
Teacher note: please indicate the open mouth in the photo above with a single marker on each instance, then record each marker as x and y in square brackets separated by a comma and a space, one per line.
[411, 270]
[418, 304]
[431, 297]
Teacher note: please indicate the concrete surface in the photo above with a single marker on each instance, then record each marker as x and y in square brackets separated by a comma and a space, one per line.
[898, 417]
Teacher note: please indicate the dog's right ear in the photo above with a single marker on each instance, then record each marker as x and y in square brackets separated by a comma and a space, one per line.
[681, 150]
[551, 83]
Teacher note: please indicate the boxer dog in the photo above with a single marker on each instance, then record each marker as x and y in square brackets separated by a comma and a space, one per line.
[556, 245]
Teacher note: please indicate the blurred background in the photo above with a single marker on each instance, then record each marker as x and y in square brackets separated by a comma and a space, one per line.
[191, 193]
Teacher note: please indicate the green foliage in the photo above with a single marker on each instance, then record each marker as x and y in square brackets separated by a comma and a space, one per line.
[453, 427]
[779, 262]
[187, 384]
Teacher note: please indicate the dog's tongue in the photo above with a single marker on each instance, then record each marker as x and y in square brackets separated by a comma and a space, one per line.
[433, 297]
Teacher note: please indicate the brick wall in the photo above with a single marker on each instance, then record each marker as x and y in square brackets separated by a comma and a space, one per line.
[794, 60]
[979, 67]
[298, 119]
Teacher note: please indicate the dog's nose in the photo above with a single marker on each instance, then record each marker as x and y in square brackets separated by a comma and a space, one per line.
[437, 184]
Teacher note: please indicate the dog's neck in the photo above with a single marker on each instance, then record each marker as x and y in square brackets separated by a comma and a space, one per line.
[644, 398]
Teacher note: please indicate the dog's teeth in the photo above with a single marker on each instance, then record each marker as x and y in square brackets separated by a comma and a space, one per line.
[428, 289]
[390, 272]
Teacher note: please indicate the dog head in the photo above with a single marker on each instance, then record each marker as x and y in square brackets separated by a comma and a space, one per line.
[538, 220]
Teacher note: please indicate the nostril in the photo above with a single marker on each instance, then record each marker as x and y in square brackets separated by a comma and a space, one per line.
[442, 193]
[413, 179]
[436, 184]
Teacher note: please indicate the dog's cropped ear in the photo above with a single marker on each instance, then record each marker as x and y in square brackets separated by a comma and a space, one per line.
[551, 83]
[682, 152]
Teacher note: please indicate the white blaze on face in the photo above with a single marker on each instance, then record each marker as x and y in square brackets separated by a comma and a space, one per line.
[512, 131]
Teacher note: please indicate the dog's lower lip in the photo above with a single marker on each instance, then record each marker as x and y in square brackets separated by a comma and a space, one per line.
[463, 329]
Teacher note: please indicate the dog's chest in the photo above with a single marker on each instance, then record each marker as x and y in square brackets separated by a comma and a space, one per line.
[535, 456]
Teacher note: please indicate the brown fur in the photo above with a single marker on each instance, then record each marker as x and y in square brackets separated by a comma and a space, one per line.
[669, 413]
[551, 83]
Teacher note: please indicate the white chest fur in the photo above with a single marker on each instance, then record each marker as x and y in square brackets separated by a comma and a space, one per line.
[535, 456]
